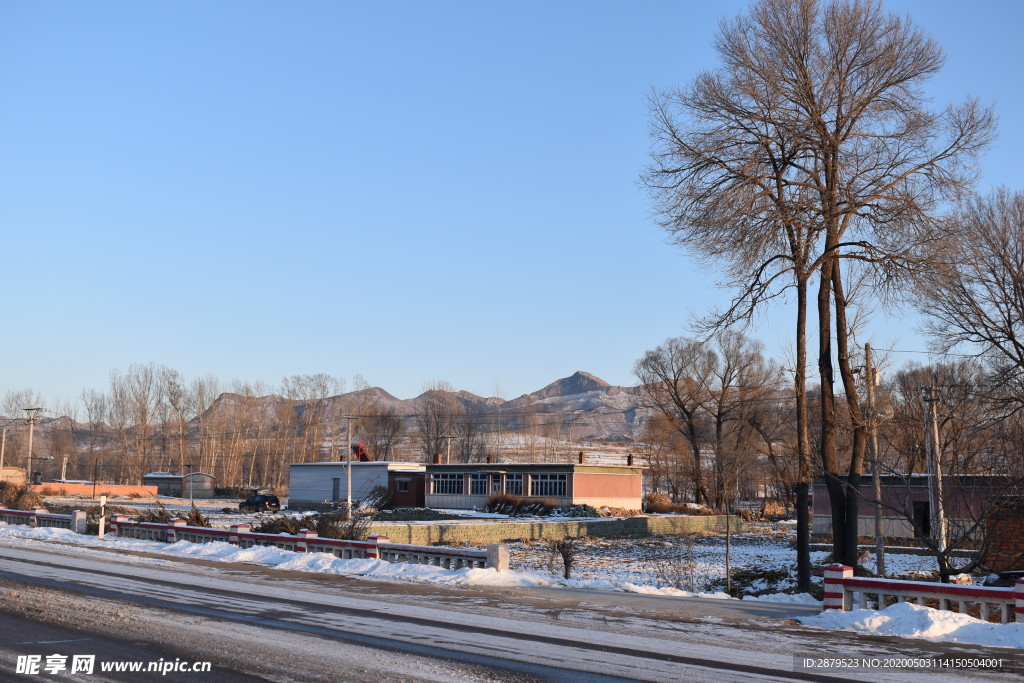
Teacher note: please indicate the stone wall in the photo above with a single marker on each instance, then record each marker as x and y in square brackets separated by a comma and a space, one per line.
[425, 533]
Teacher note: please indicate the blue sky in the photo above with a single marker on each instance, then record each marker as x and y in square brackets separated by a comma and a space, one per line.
[411, 191]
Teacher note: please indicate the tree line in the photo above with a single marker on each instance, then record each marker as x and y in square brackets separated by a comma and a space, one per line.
[151, 418]
[810, 160]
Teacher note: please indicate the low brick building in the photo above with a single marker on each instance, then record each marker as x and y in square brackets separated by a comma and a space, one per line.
[967, 500]
[468, 486]
[1005, 531]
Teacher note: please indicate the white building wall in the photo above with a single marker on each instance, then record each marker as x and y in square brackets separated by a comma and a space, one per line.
[313, 483]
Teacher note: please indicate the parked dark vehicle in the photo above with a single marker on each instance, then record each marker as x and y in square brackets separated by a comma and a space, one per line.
[260, 503]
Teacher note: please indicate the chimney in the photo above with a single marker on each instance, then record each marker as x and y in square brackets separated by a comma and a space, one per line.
[437, 458]
[489, 460]
[629, 460]
[583, 458]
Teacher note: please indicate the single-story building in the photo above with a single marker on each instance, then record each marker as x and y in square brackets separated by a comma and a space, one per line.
[190, 485]
[967, 500]
[468, 486]
[319, 485]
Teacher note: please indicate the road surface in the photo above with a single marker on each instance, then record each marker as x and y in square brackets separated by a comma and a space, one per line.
[268, 624]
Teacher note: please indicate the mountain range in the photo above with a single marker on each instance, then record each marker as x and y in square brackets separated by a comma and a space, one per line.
[581, 407]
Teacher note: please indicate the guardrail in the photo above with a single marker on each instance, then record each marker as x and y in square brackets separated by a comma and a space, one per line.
[374, 547]
[841, 585]
[39, 517]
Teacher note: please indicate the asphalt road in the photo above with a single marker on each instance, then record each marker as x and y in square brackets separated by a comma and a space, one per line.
[253, 620]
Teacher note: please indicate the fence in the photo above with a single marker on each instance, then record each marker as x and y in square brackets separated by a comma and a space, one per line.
[374, 547]
[39, 517]
[841, 585]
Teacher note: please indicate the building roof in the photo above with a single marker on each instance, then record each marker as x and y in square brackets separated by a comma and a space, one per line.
[168, 475]
[390, 464]
[518, 467]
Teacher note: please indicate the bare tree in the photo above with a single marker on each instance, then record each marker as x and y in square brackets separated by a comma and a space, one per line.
[13, 402]
[471, 428]
[437, 418]
[975, 294]
[810, 143]
[673, 378]
[382, 427]
[666, 454]
[709, 392]
[978, 452]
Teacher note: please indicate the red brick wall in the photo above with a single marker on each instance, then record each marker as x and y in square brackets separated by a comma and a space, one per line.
[606, 485]
[1006, 539]
[56, 489]
[414, 497]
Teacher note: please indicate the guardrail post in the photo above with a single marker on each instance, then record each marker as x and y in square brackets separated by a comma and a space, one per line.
[33, 521]
[172, 529]
[498, 557]
[373, 552]
[235, 530]
[835, 592]
[115, 520]
[78, 521]
[300, 546]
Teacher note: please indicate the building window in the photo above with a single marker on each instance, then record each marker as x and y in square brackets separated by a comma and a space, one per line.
[447, 483]
[514, 484]
[478, 484]
[402, 486]
[547, 484]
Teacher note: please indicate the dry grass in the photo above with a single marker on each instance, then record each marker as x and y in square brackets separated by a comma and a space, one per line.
[506, 504]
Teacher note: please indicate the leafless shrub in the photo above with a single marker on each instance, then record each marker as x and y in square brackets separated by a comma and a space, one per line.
[282, 525]
[158, 515]
[673, 565]
[195, 517]
[334, 525]
[566, 548]
[27, 500]
[513, 505]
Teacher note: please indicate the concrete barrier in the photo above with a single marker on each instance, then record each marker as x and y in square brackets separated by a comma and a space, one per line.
[39, 517]
[375, 546]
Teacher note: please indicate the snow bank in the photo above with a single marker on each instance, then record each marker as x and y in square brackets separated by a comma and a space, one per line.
[916, 621]
[325, 563]
[795, 599]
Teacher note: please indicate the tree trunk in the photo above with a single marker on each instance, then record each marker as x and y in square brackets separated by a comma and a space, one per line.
[852, 493]
[827, 448]
[803, 526]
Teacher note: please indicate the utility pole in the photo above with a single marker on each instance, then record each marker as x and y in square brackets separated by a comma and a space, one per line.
[3, 447]
[934, 465]
[348, 467]
[872, 380]
[448, 452]
[31, 420]
[188, 479]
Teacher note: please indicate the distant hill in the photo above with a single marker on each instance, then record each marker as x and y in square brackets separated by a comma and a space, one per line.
[582, 407]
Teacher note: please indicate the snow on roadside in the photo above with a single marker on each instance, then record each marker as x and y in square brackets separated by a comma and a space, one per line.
[792, 598]
[903, 619]
[377, 570]
[908, 620]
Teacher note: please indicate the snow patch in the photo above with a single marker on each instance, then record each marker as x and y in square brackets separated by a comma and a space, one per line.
[908, 620]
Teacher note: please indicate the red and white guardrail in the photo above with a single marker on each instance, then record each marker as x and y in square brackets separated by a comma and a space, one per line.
[841, 585]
